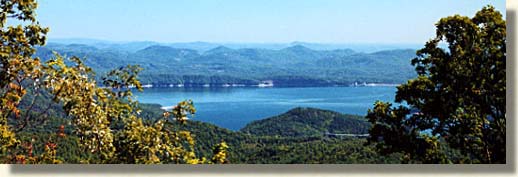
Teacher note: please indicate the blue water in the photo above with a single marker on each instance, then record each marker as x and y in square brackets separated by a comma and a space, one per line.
[233, 108]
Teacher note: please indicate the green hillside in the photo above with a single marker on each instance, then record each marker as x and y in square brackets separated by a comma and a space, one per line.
[304, 122]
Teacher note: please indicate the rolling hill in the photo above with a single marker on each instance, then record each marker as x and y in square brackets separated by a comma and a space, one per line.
[304, 122]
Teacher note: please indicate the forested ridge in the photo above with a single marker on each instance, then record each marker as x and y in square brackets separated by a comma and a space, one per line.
[302, 122]
[292, 66]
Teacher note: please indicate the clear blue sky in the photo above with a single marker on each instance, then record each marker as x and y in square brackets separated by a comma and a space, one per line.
[325, 21]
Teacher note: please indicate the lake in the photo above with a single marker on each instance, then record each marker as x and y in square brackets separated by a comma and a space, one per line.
[233, 108]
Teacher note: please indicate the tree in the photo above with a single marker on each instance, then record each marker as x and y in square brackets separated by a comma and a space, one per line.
[16, 62]
[457, 102]
[106, 119]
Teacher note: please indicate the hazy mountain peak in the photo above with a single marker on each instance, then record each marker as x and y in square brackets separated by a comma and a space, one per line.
[81, 46]
[75, 47]
[219, 49]
[166, 53]
[298, 48]
[161, 48]
[157, 47]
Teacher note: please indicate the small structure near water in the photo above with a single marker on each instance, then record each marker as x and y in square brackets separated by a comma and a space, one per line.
[266, 83]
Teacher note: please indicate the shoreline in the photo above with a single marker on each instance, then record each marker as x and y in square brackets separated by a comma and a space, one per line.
[265, 85]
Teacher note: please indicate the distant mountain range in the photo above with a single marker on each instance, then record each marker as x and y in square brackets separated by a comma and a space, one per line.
[210, 64]
[132, 46]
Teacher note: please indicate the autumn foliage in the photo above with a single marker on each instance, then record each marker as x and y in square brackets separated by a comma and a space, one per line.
[104, 116]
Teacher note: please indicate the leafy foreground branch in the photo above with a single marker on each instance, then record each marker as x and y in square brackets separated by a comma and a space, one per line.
[105, 119]
[457, 102]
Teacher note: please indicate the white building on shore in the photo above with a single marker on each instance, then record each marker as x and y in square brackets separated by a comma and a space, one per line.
[266, 83]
